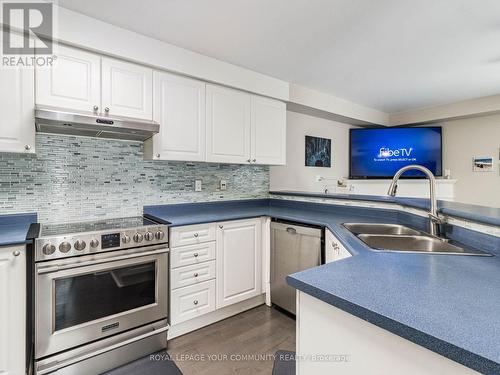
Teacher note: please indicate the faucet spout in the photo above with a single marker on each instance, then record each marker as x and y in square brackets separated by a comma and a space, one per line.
[434, 219]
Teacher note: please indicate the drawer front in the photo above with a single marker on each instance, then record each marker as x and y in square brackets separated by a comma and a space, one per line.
[192, 254]
[194, 274]
[192, 301]
[192, 234]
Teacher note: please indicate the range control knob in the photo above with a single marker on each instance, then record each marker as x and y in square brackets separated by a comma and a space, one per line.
[160, 235]
[94, 243]
[80, 245]
[48, 249]
[126, 238]
[64, 247]
[149, 236]
[138, 237]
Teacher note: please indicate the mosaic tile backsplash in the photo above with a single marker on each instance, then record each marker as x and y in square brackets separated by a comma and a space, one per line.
[77, 178]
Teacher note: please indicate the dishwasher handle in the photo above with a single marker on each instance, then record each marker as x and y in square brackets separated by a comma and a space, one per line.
[291, 230]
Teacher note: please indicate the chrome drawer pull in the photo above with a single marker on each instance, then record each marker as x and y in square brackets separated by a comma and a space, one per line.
[195, 301]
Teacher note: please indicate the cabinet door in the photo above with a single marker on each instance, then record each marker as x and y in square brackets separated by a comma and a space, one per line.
[73, 82]
[12, 310]
[239, 252]
[127, 89]
[179, 107]
[17, 124]
[334, 250]
[228, 125]
[268, 131]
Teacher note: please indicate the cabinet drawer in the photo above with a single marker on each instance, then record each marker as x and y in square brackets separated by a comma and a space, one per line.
[192, 254]
[189, 275]
[192, 301]
[192, 234]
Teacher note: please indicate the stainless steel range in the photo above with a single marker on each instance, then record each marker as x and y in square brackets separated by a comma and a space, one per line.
[100, 294]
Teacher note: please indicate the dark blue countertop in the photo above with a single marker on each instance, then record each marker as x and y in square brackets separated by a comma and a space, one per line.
[480, 214]
[14, 228]
[448, 304]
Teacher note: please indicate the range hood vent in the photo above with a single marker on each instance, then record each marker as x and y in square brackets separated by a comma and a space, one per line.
[59, 122]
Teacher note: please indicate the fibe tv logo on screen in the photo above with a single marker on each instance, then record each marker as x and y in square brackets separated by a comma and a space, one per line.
[386, 152]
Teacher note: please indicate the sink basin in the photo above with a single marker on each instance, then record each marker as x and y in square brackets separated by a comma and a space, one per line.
[369, 228]
[415, 244]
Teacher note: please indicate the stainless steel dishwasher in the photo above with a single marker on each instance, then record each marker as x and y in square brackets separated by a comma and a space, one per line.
[294, 247]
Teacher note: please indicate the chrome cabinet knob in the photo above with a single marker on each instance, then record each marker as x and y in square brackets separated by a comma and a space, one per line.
[96, 108]
[196, 275]
[195, 255]
[196, 235]
[80, 245]
[249, 160]
[158, 156]
[149, 236]
[94, 243]
[221, 226]
[64, 247]
[16, 253]
[106, 109]
[48, 249]
[27, 147]
[195, 302]
[126, 238]
[138, 237]
[160, 235]
[254, 160]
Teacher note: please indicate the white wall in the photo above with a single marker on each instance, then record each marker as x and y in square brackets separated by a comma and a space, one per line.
[463, 139]
[295, 175]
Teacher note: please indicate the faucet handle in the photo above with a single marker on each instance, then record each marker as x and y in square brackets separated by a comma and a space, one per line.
[436, 218]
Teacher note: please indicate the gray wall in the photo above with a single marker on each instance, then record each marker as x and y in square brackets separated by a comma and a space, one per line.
[79, 178]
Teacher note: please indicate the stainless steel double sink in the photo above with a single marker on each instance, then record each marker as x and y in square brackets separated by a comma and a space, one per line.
[399, 238]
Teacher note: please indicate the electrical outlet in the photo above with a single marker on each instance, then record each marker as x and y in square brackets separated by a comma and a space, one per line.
[223, 184]
[197, 185]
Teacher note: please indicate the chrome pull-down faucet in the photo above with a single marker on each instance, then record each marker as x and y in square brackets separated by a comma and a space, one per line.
[434, 219]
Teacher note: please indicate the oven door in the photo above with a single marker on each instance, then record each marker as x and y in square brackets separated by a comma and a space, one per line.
[84, 299]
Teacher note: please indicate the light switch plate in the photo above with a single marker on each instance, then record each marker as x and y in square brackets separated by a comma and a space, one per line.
[223, 184]
[197, 185]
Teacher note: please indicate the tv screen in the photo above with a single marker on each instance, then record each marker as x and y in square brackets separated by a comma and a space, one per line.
[381, 152]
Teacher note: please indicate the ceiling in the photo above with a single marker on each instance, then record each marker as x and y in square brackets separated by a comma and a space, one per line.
[391, 55]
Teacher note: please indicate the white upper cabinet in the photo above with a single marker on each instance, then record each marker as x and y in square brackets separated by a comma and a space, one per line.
[73, 82]
[17, 123]
[228, 125]
[239, 261]
[179, 107]
[268, 141]
[127, 89]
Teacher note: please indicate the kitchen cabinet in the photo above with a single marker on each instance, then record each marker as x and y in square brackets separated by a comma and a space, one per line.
[85, 82]
[268, 131]
[228, 120]
[127, 89]
[17, 125]
[239, 264]
[12, 309]
[327, 330]
[334, 250]
[73, 82]
[179, 108]
[192, 301]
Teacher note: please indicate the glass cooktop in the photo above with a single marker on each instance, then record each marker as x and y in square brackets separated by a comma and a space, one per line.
[61, 229]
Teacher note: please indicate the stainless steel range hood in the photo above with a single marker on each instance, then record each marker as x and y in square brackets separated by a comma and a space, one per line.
[59, 122]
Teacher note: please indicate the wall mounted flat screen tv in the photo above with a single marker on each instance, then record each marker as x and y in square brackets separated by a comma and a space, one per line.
[381, 152]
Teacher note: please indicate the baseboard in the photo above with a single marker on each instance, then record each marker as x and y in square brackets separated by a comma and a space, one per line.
[215, 316]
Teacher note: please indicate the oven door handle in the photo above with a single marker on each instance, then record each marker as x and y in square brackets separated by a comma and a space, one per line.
[60, 267]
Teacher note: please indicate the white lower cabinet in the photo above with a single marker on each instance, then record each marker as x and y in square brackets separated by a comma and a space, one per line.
[212, 266]
[239, 261]
[192, 301]
[12, 310]
[334, 250]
